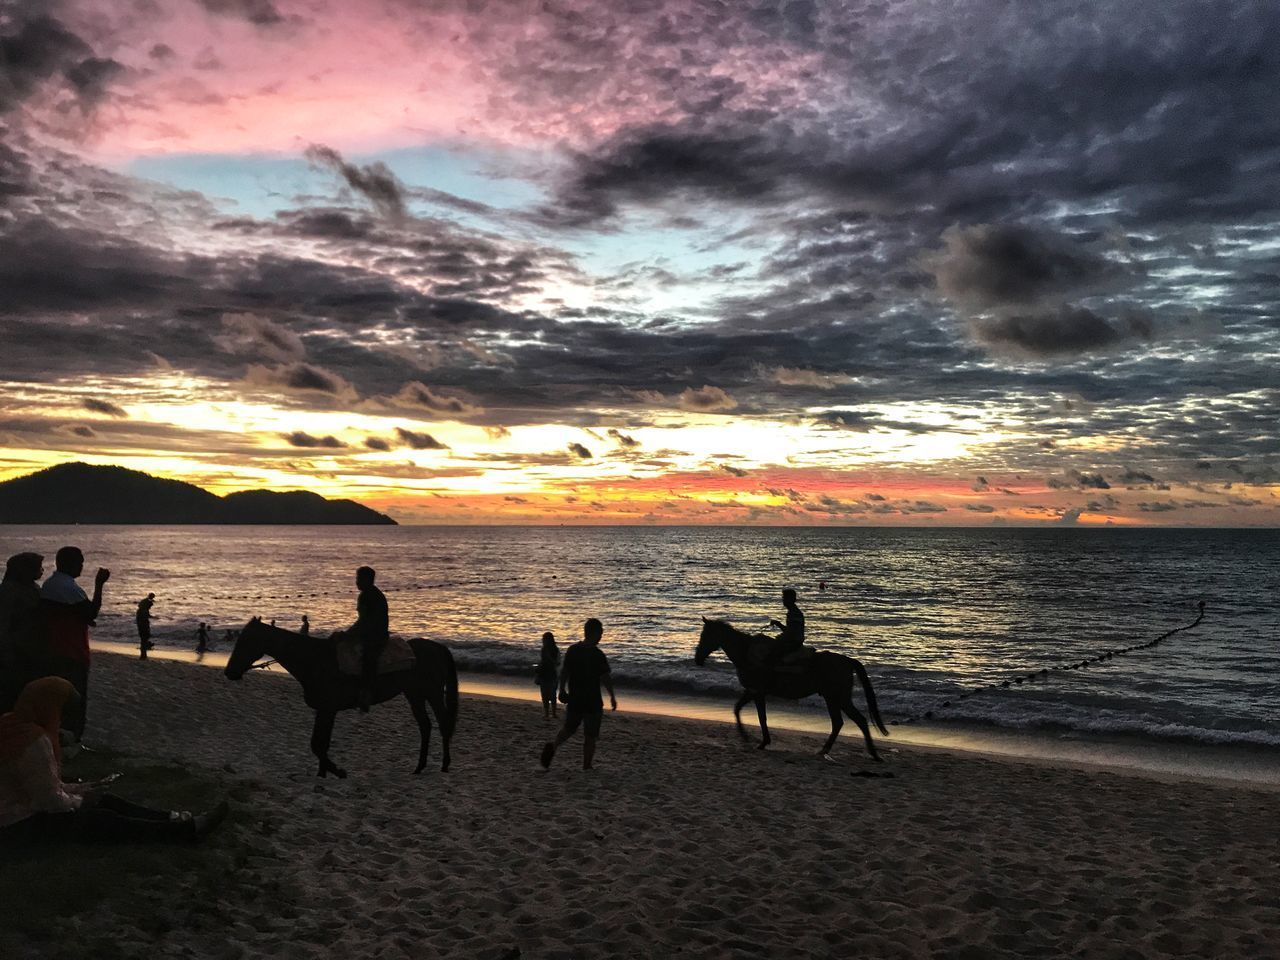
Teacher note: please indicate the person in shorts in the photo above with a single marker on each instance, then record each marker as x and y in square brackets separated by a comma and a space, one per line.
[585, 669]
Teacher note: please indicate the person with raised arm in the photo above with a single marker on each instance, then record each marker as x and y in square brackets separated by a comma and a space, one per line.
[68, 615]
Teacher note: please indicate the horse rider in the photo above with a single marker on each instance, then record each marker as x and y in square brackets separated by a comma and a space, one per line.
[791, 636]
[372, 628]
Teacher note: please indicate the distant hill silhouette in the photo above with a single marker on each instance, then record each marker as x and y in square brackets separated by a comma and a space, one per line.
[82, 493]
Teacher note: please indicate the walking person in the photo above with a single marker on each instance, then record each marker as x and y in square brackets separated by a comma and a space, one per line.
[548, 672]
[143, 620]
[202, 641]
[68, 615]
[585, 669]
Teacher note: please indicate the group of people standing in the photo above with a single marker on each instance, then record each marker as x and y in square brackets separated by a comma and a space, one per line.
[44, 628]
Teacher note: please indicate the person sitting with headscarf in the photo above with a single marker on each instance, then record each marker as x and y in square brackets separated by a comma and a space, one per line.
[21, 639]
[33, 796]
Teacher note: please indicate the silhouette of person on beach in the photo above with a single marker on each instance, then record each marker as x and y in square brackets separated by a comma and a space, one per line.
[202, 641]
[372, 628]
[548, 671]
[68, 614]
[35, 801]
[143, 621]
[790, 640]
[21, 626]
[305, 629]
[585, 669]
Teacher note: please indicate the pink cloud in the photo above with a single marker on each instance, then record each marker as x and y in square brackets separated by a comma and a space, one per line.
[365, 75]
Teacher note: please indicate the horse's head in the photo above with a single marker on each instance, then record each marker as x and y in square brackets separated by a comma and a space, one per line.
[249, 648]
[710, 640]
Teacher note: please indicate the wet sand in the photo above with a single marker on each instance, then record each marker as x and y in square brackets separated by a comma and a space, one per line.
[683, 842]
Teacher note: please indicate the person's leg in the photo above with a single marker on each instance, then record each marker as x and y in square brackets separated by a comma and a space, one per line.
[77, 674]
[571, 720]
[370, 650]
[126, 808]
[590, 734]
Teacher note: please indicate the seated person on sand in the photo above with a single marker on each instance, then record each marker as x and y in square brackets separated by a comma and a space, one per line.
[790, 641]
[34, 799]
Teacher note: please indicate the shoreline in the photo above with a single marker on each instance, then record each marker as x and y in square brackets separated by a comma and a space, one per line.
[1228, 765]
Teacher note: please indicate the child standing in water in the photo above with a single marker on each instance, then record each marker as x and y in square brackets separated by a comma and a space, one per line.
[548, 675]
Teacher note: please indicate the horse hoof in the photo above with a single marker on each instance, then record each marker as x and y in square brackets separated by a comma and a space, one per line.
[762, 746]
[826, 756]
[877, 758]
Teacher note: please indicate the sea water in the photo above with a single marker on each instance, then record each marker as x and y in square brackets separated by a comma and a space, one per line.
[933, 613]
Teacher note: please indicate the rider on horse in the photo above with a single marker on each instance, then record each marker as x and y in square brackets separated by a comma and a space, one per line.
[790, 640]
[372, 628]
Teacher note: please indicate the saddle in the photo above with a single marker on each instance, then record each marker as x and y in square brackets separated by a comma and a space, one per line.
[396, 655]
[793, 663]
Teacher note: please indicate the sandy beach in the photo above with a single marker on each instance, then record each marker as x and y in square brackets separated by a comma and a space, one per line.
[682, 842]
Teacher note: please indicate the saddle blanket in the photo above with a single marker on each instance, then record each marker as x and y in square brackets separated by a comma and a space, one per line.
[396, 655]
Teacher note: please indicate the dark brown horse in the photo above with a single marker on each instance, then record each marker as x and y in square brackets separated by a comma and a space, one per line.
[830, 675]
[313, 663]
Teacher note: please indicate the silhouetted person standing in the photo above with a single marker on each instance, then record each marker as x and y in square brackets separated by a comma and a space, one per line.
[143, 621]
[202, 641]
[21, 626]
[548, 671]
[372, 628]
[68, 616]
[305, 629]
[585, 668]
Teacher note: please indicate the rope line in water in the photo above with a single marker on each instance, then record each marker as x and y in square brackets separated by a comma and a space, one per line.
[1043, 673]
[315, 594]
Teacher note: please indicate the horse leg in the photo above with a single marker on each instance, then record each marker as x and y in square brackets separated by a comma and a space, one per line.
[764, 723]
[861, 721]
[440, 709]
[321, 737]
[737, 713]
[419, 708]
[837, 722]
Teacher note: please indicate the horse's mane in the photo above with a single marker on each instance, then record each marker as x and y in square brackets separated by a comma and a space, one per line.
[726, 625]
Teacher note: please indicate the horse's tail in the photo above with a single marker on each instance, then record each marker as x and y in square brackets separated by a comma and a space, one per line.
[872, 707]
[450, 693]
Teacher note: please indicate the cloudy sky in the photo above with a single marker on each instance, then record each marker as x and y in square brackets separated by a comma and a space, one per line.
[789, 261]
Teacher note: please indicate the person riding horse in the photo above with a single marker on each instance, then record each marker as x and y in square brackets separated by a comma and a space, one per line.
[790, 640]
[372, 628]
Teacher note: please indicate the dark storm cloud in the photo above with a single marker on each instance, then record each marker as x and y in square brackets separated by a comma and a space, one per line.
[261, 13]
[1002, 265]
[375, 181]
[419, 441]
[299, 376]
[103, 406]
[38, 49]
[1064, 330]
[300, 438]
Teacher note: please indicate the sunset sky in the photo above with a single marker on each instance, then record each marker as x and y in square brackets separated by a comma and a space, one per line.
[906, 262]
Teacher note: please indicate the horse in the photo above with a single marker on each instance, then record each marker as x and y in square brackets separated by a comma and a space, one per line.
[829, 675]
[313, 662]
